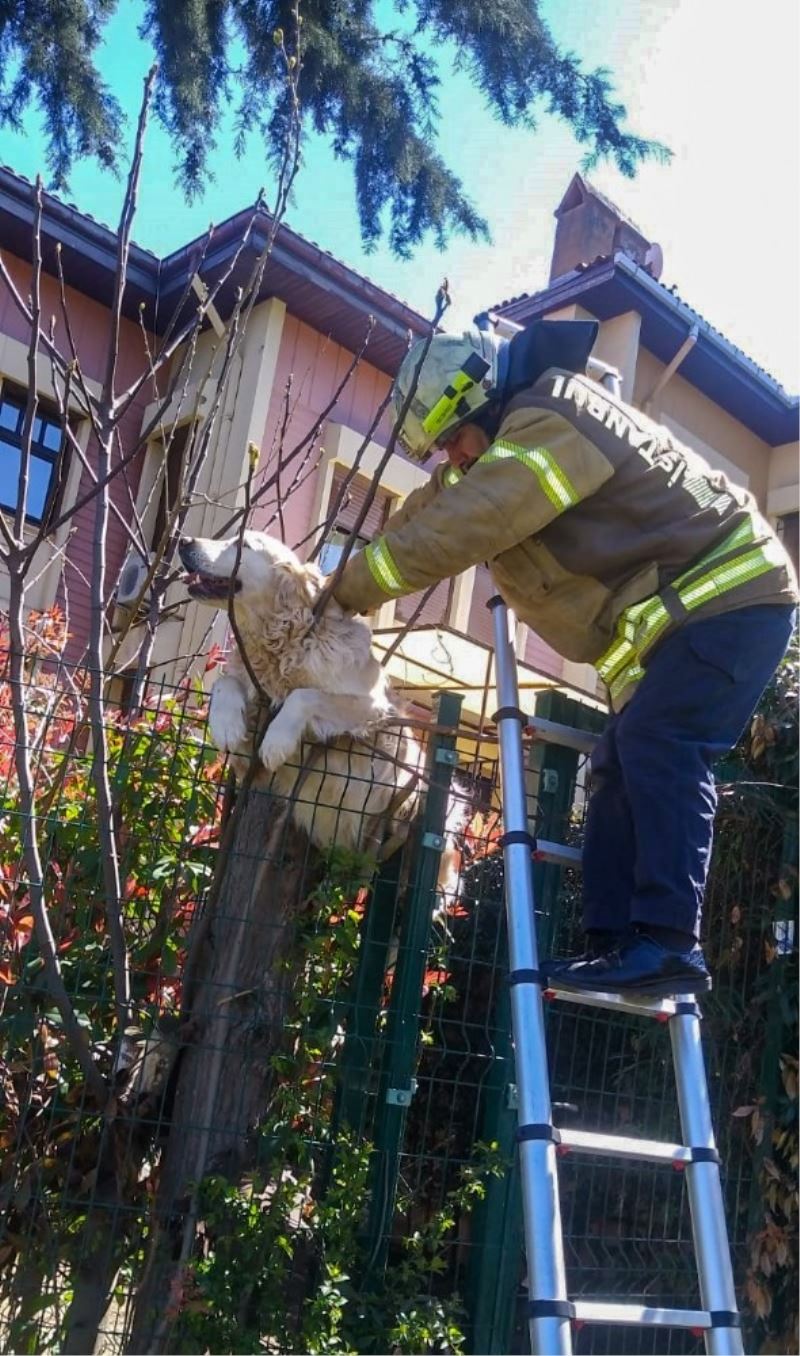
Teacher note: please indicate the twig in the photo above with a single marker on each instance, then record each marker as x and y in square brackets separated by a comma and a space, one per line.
[262, 695]
[309, 437]
[75, 1035]
[169, 347]
[278, 494]
[86, 393]
[442, 302]
[107, 428]
[398, 640]
[32, 401]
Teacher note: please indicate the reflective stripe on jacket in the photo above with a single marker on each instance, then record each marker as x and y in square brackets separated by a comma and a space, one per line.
[601, 530]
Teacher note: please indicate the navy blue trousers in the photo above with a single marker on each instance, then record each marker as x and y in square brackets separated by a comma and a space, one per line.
[650, 818]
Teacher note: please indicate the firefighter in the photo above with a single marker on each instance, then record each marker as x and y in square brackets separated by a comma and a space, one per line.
[620, 547]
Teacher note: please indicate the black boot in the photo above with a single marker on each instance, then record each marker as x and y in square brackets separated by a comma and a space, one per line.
[599, 941]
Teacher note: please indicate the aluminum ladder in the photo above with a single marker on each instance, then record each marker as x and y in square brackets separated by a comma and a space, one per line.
[550, 1312]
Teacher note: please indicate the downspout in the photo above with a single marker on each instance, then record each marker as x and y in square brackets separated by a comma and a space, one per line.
[669, 371]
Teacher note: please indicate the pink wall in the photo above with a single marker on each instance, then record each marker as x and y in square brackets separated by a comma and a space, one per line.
[89, 322]
[316, 365]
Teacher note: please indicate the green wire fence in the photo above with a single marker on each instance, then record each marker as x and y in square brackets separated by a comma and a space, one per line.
[307, 1143]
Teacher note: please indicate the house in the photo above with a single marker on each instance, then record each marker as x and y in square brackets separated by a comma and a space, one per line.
[310, 318]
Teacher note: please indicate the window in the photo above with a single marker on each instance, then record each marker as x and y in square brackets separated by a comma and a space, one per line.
[172, 482]
[45, 449]
[331, 553]
[349, 510]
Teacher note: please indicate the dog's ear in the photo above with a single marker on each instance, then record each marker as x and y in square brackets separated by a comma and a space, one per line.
[297, 586]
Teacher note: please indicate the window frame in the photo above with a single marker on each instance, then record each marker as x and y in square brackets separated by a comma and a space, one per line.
[171, 454]
[339, 528]
[344, 533]
[58, 458]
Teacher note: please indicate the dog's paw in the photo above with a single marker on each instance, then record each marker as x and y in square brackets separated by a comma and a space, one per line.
[277, 747]
[227, 724]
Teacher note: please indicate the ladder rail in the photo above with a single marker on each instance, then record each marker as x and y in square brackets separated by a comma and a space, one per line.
[550, 1330]
[706, 1207]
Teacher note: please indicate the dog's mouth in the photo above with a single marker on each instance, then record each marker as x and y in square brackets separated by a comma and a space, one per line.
[209, 586]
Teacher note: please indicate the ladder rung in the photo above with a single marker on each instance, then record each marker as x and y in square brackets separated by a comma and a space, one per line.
[557, 852]
[550, 732]
[616, 1002]
[641, 1315]
[625, 1146]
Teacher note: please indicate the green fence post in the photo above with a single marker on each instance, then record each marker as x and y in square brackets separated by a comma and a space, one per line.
[396, 1086]
[497, 1220]
[364, 1005]
[497, 1260]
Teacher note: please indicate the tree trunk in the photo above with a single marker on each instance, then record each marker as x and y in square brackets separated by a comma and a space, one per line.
[243, 983]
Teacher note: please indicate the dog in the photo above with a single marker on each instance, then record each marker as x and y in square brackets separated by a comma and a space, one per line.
[324, 686]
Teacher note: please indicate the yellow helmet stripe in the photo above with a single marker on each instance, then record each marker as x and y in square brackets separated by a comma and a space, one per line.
[446, 405]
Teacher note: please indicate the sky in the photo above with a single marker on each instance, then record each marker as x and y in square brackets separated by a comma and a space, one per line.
[716, 80]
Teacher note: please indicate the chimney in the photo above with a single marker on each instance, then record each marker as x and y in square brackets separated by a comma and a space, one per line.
[590, 227]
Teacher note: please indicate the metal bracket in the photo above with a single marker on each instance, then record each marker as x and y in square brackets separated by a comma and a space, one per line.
[433, 840]
[449, 756]
[401, 1096]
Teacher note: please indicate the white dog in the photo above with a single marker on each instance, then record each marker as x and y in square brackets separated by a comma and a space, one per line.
[328, 686]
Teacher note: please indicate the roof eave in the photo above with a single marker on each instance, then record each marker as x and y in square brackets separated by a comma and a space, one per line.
[89, 258]
[748, 393]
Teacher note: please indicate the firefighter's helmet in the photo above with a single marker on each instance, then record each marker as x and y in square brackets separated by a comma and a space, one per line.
[457, 379]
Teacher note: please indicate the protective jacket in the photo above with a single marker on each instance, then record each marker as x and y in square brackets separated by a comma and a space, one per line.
[601, 530]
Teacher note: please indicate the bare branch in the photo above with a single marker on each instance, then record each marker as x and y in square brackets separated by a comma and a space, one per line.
[169, 347]
[32, 401]
[262, 695]
[106, 439]
[125, 459]
[340, 500]
[76, 363]
[281, 437]
[409, 626]
[442, 302]
[313, 433]
[31, 855]
[25, 311]
[123, 244]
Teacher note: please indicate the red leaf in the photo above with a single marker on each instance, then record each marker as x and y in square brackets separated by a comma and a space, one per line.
[22, 930]
[133, 890]
[214, 658]
[66, 942]
[206, 833]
